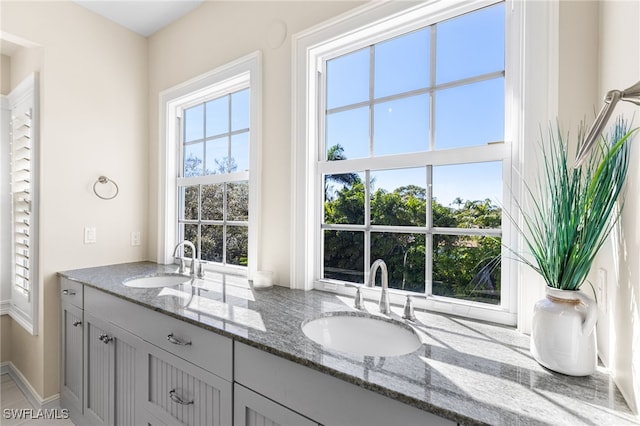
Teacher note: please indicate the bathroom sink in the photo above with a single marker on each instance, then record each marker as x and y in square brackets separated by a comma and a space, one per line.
[157, 281]
[362, 335]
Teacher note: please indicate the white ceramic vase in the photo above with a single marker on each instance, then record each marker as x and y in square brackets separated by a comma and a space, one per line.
[563, 336]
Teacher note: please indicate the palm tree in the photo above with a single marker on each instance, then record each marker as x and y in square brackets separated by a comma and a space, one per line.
[336, 153]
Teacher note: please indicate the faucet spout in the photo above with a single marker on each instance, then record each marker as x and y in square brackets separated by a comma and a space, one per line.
[384, 295]
[189, 244]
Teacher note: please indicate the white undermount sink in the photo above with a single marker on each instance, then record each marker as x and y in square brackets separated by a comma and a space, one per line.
[157, 281]
[362, 335]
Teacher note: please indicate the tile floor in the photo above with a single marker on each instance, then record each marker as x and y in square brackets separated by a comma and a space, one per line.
[13, 405]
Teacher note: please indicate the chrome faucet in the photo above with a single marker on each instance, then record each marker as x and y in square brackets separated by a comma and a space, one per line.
[189, 244]
[384, 296]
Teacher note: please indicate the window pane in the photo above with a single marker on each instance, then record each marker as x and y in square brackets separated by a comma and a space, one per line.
[348, 132]
[218, 116]
[404, 255]
[467, 267]
[237, 243]
[399, 197]
[193, 157]
[212, 202]
[189, 233]
[194, 123]
[240, 110]
[212, 242]
[473, 192]
[344, 198]
[470, 115]
[470, 45]
[238, 201]
[189, 197]
[401, 126]
[239, 152]
[348, 79]
[344, 256]
[402, 64]
[218, 156]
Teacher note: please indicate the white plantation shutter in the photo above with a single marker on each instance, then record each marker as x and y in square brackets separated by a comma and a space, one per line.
[23, 169]
[21, 192]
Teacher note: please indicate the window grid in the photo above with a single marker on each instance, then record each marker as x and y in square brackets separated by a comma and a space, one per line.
[218, 177]
[428, 230]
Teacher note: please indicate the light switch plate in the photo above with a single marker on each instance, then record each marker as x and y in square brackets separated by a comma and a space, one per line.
[89, 234]
[135, 238]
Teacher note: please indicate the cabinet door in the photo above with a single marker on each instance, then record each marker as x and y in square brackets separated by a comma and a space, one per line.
[112, 357]
[71, 359]
[178, 392]
[99, 372]
[252, 409]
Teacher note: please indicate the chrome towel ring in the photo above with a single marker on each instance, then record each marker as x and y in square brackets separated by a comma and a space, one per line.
[105, 180]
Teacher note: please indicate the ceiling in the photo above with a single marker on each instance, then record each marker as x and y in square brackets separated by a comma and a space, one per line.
[144, 17]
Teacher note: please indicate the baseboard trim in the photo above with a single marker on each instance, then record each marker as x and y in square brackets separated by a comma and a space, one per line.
[5, 307]
[32, 395]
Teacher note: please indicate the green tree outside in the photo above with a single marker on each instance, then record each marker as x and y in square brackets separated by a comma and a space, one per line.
[464, 266]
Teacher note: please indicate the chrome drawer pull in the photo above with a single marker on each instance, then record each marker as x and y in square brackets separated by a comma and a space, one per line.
[177, 341]
[69, 292]
[77, 323]
[175, 398]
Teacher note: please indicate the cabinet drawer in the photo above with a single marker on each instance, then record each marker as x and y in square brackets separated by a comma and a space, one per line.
[71, 292]
[194, 344]
[177, 391]
[287, 383]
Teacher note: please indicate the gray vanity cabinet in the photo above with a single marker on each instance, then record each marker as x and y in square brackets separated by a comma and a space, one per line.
[123, 364]
[112, 368]
[72, 334]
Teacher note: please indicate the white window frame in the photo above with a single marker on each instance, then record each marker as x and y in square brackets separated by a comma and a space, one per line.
[23, 106]
[359, 28]
[241, 73]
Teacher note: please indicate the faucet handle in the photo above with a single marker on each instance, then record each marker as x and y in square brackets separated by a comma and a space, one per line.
[357, 302]
[408, 307]
[201, 272]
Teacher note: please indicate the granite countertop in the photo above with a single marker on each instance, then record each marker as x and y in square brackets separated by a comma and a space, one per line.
[467, 371]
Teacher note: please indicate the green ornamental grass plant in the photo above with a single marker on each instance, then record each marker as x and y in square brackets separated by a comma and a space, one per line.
[576, 208]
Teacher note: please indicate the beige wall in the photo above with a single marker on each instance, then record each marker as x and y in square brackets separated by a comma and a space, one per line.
[5, 334]
[94, 116]
[619, 325]
[213, 35]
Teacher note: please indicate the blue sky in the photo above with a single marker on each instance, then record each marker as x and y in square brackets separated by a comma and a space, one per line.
[224, 116]
[469, 115]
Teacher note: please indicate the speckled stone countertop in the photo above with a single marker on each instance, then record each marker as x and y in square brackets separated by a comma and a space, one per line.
[467, 371]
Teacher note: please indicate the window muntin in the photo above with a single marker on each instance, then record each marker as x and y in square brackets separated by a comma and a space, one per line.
[213, 191]
[403, 221]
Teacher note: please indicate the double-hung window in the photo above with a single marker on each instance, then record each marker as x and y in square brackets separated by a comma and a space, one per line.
[213, 189]
[411, 158]
[211, 126]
